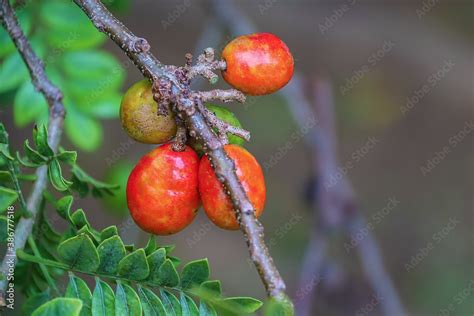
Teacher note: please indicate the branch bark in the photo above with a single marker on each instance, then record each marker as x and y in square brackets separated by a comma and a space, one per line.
[186, 107]
[56, 117]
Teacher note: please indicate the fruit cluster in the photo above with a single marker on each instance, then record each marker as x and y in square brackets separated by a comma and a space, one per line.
[166, 187]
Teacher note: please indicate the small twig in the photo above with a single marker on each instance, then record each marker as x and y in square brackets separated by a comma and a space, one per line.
[56, 116]
[181, 136]
[229, 95]
[206, 65]
[186, 104]
[223, 127]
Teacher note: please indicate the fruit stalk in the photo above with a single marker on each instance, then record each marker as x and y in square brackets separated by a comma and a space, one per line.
[187, 104]
[56, 117]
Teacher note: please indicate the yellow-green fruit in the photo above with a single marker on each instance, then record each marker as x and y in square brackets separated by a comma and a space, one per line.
[138, 113]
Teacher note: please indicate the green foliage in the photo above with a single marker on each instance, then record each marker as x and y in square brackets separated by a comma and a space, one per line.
[104, 255]
[89, 77]
[59, 307]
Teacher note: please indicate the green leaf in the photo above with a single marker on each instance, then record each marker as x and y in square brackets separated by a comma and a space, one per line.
[5, 176]
[68, 27]
[213, 287]
[28, 105]
[99, 69]
[56, 176]
[35, 301]
[127, 302]
[33, 155]
[6, 44]
[77, 288]
[170, 303]
[3, 134]
[283, 307]
[84, 132]
[93, 235]
[103, 299]
[134, 266]
[107, 106]
[41, 141]
[68, 157]
[82, 181]
[150, 245]
[79, 219]
[155, 260]
[194, 273]
[206, 309]
[7, 198]
[13, 72]
[3, 228]
[63, 206]
[188, 307]
[108, 232]
[167, 274]
[151, 303]
[60, 307]
[79, 252]
[244, 305]
[111, 251]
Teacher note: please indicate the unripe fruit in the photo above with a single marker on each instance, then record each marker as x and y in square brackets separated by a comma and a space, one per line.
[216, 203]
[257, 64]
[138, 113]
[225, 115]
[162, 190]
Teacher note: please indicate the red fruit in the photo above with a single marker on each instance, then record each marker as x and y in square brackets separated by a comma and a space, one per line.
[162, 190]
[257, 64]
[217, 204]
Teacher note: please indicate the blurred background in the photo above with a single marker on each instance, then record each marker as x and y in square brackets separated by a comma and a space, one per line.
[401, 74]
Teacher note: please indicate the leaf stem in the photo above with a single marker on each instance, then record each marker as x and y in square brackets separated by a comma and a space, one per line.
[44, 269]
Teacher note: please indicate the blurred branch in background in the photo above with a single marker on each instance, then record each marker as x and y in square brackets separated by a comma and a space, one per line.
[337, 206]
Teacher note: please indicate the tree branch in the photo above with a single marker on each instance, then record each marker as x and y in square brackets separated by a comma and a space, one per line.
[186, 104]
[56, 116]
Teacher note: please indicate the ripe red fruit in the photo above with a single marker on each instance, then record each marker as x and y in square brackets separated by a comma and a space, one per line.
[162, 190]
[217, 204]
[257, 64]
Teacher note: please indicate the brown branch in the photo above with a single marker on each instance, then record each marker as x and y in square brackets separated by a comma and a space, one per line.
[186, 103]
[56, 117]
